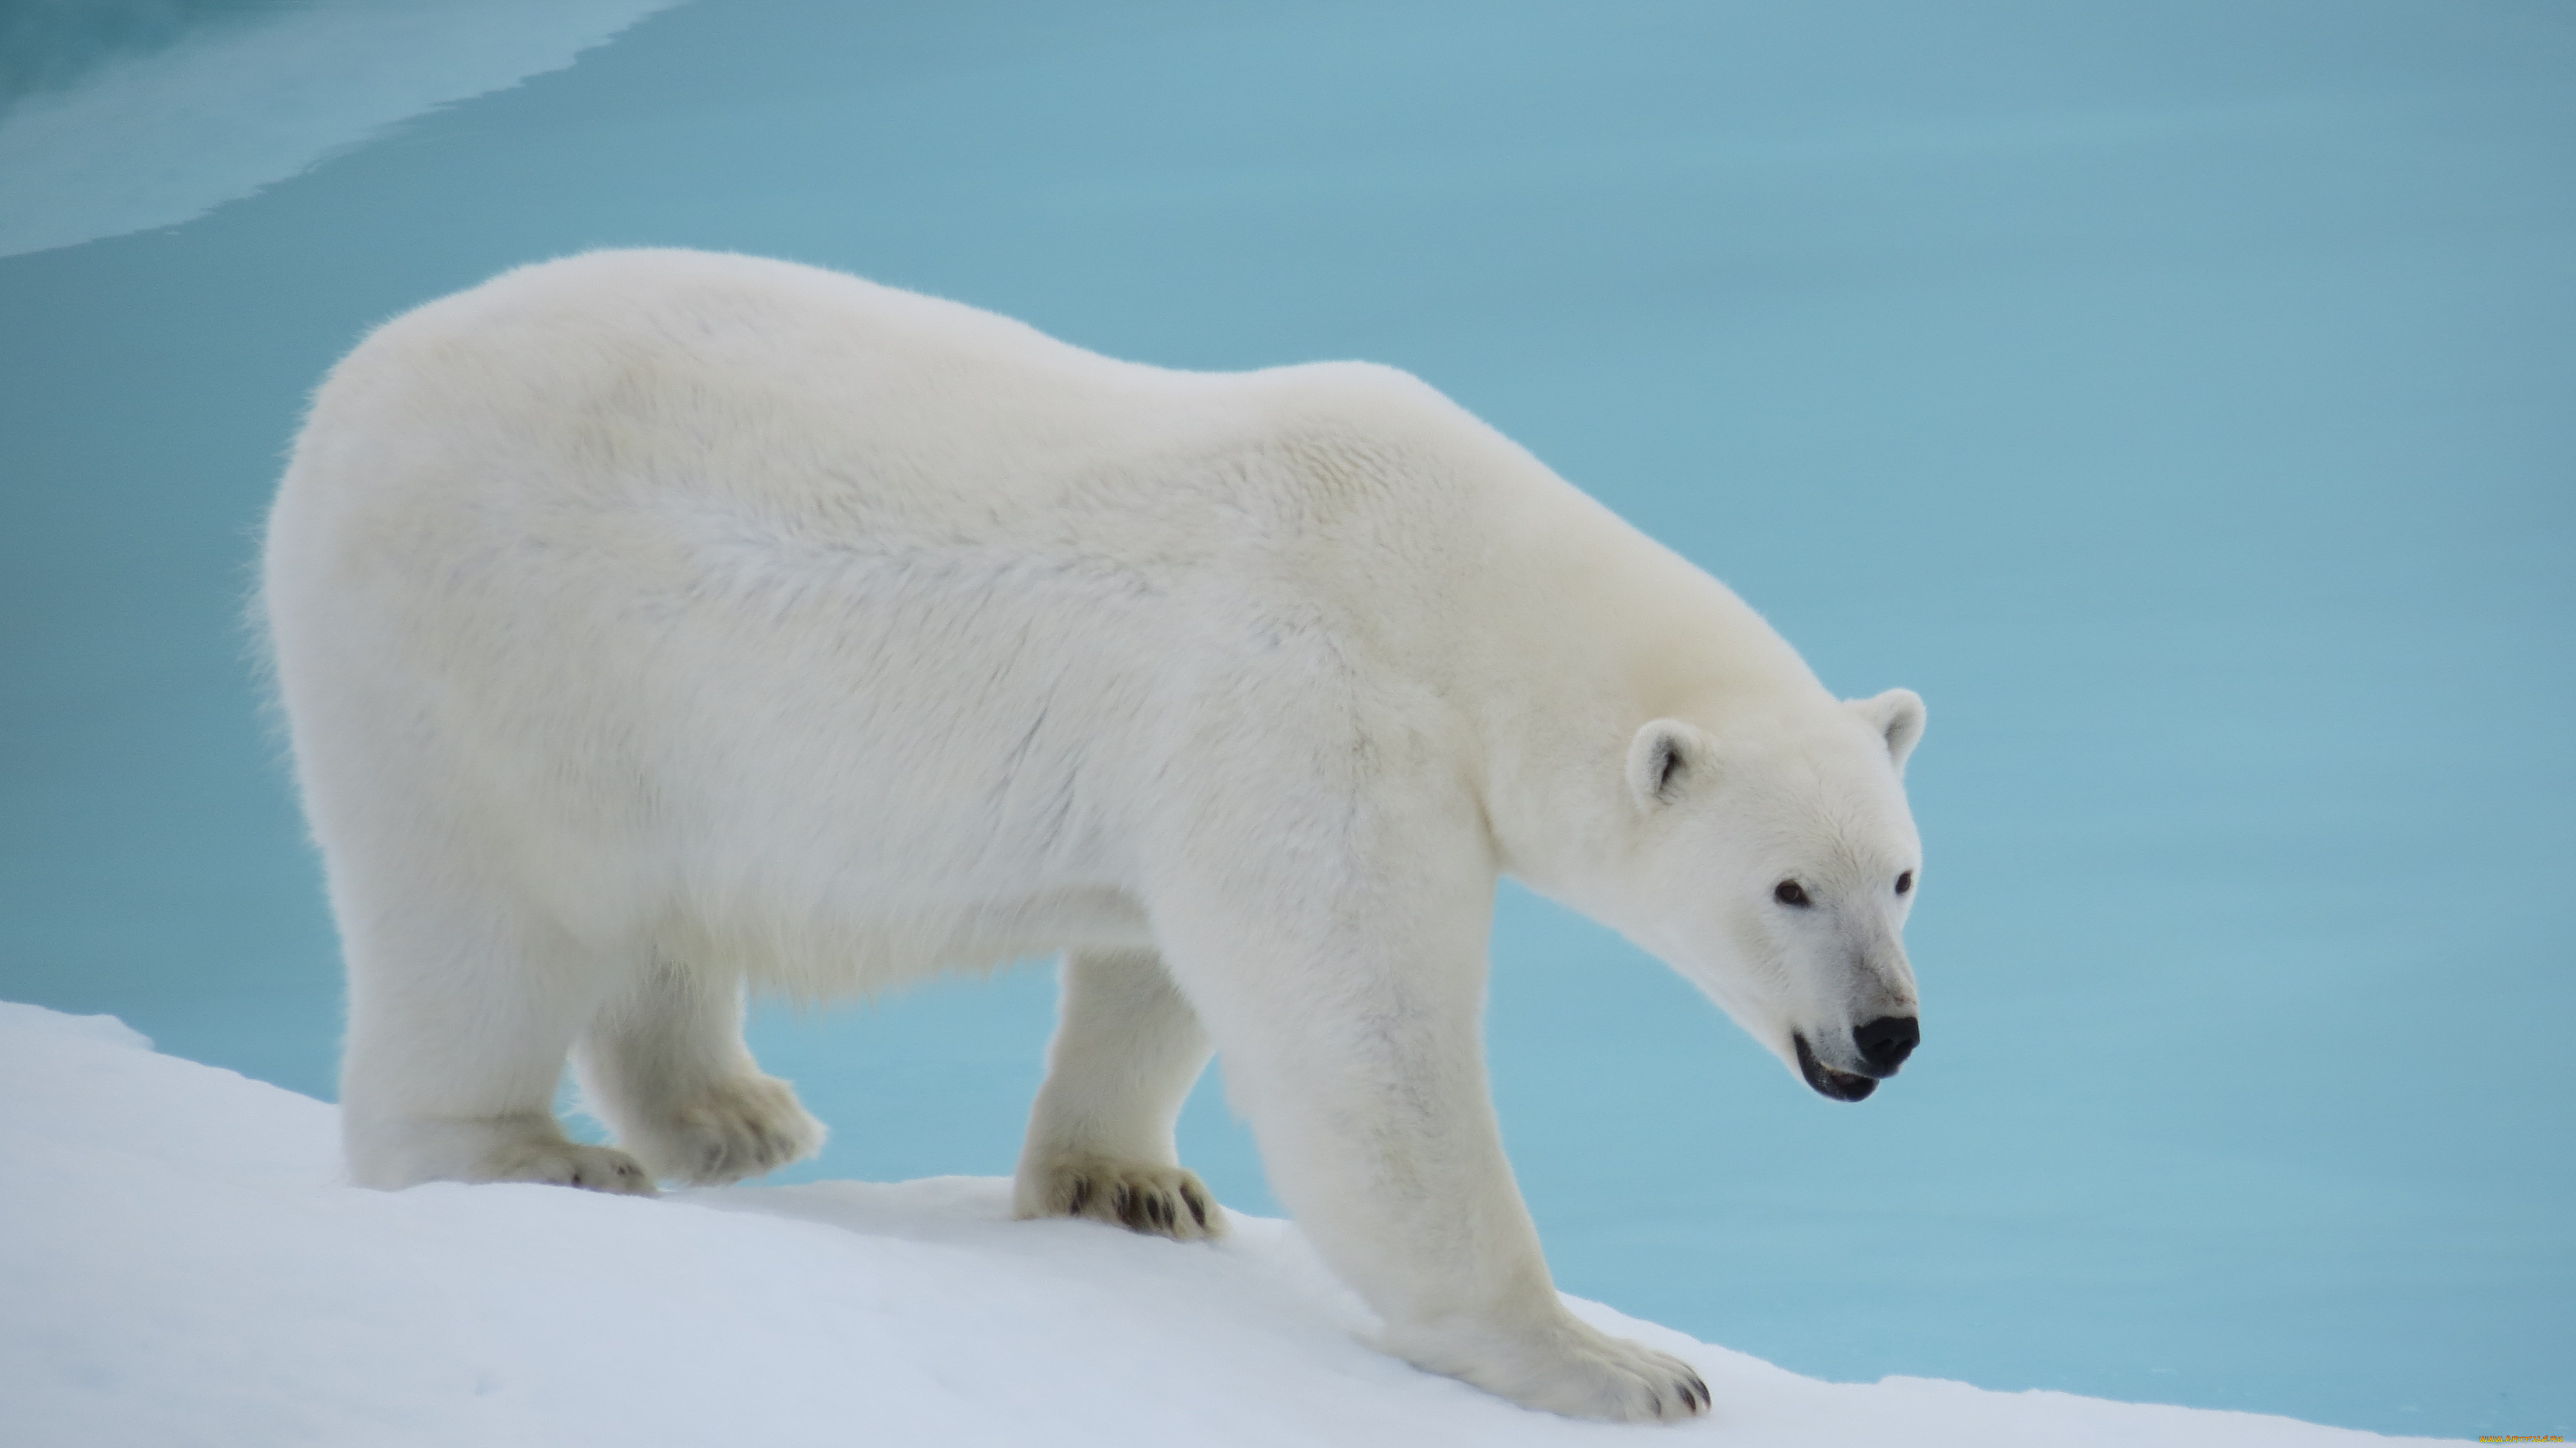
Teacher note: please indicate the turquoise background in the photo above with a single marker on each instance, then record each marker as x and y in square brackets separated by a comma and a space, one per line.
[2181, 397]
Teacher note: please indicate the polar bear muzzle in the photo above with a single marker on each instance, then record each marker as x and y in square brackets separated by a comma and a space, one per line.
[1883, 1043]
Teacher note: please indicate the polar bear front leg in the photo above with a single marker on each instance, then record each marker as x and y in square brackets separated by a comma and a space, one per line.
[1355, 1050]
[665, 1066]
[1127, 1050]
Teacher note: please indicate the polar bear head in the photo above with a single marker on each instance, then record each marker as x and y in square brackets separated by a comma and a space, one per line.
[1774, 867]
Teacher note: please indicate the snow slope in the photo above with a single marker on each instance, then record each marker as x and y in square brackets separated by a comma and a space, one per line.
[180, 1265]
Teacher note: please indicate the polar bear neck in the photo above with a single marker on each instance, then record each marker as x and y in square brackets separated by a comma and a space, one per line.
[1627, 632]
[1551, 626]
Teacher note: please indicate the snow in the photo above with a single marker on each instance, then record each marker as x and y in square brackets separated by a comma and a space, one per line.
[180, 1264]
[163, 136]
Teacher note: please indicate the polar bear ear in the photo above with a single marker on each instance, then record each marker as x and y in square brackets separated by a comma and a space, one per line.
[1897, 715]
[1664, 759]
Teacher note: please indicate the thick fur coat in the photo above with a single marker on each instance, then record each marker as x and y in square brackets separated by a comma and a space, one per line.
[658, 625]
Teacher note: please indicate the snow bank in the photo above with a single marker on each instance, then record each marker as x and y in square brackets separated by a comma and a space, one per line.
[180, 1265]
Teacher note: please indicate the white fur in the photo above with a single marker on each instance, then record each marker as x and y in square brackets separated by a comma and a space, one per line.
[657, 624]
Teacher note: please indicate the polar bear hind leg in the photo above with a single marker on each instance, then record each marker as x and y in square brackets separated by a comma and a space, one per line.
[664, 1065]
[461, 1010]
[1127, 1050]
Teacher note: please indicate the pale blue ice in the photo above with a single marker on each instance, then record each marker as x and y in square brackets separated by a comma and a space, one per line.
[2182, 397]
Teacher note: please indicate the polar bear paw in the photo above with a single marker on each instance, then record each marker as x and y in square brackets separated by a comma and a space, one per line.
[741, 1127]
[393, 1152]
[1159, 1201]
[1568, 1368]
[565, 1164]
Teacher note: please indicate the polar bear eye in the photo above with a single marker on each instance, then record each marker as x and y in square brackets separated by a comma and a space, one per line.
[1790, 892]
[1905, 882]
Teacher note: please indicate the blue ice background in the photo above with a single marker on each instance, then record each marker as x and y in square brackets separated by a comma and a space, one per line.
[2182, 397]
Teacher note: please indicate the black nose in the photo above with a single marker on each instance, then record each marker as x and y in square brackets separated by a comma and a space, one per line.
[1886, 1042]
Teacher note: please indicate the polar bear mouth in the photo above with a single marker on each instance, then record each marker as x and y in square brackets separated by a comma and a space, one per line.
[1826, 1081]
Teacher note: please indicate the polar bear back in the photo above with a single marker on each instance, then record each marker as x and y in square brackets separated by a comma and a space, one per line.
[737, 583]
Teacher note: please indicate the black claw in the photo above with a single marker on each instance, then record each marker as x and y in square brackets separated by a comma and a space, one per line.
[1078, 1198]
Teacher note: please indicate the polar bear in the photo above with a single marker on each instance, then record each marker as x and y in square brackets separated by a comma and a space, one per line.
[653, 625]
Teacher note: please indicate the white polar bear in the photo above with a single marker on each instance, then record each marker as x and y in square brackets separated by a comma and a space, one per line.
[654, 624]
